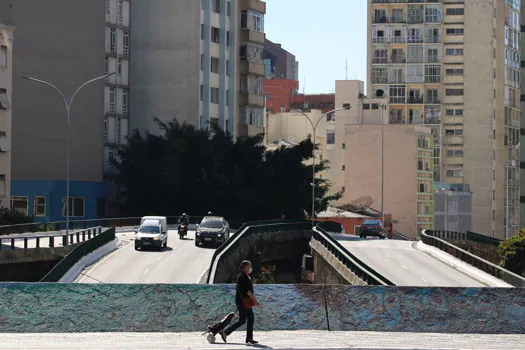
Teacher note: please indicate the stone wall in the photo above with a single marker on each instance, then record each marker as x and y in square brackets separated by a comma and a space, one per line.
[330, 270]
[189, 308]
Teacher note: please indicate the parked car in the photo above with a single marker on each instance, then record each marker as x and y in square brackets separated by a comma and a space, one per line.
[213, 230]
[151, 234]
[371, 227]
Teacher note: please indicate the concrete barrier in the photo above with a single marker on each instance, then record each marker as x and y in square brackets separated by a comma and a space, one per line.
[32, 308]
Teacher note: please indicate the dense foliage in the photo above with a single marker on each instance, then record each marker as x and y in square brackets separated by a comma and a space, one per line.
[13, 217]
[512, 253]
[194, 171]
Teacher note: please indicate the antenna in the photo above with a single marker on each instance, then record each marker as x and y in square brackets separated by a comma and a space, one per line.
[346, 68]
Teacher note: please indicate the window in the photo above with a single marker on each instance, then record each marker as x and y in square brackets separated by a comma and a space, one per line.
[215, 35]
[214, 65]
[202, 92]
[455, 11]
[101, 207]
[216, 6]
[366, 105]
[117, 131]
[432, 15]
[228, 8]
[76, 207]
[202, 31]
[3, 56]
[397, 93]
[39, 206]
[119, 68]
[4, 147]
[252, 20]
[120, 12]
[330, 138]
[379, 75]
[432, 74]
[125, 44]
[454, 92]
[112, 98]
[227, 38]
[454, 71]
[214, 95]
[19, 204]
[4, 102]
[343, 167]
[227, 99]
[455, 31]
[454, 52]
[113, 40]
[125, 102]
[452, 112]
[106, 131]
[343, 145]
[2, 185]
[227, 68]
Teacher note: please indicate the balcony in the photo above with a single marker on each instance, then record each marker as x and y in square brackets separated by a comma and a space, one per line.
[415, 39]
[432, 101]
[433, 38]
[415, 100]
[380, 40]
[379, 60]
[248, 67]
[380, 19]
[398, 59]
[415, 19]
[252, 36]
[255, 5]
[247, 99]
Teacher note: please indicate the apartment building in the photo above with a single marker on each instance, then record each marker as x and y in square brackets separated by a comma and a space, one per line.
[522, 111]
[454, 66]
[75, 41]
[199, 62]
[279, 63]
[6, 76]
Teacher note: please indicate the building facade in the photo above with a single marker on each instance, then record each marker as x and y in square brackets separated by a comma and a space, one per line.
[452, 208]
[279, 94]
[522, 125]
[67, 46]
[323, 102]
[198, 62]
[279, 63]
[6, 77]
[454, 67]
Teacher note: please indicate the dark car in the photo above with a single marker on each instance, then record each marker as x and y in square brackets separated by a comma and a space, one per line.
[212, 230]
[371, 227]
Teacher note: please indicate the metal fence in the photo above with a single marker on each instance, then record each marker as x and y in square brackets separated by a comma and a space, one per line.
[39, 240]
[430, 237]
[85, 248]
[465, 236]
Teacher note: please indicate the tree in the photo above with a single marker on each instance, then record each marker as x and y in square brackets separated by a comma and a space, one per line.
[189, 170]
[512, 253]
[13, 217]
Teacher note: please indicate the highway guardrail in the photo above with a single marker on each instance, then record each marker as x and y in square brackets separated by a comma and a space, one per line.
[428, 237]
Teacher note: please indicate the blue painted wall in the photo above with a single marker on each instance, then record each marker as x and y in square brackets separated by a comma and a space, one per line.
[54, 191]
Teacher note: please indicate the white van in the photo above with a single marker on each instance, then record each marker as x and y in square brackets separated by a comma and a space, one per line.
[163, 221]
[151, 233]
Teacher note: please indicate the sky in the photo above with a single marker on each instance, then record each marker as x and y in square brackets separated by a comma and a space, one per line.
[322, 35]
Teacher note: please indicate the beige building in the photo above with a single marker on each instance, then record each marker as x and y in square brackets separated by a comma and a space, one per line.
[291, 128]
[6, 77]
[408, 170]
[454, 66]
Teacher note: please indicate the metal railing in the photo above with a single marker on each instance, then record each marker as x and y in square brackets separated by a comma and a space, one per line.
[28, 238]
[250, 228]
[511, 278]
[399, 236]
[465, 236]
[360, 269]
[78, 253]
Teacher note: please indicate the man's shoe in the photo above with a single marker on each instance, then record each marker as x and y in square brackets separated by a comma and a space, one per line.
[251, 342]
[223, 336]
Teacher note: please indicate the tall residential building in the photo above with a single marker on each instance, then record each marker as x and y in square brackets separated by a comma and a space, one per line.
[522, 126]
[454, 66]
[66, 42]
[6, 76]
[198, 62]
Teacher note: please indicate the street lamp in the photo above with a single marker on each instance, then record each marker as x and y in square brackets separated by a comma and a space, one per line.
[68, 104]
[346, 106]
[380, 93]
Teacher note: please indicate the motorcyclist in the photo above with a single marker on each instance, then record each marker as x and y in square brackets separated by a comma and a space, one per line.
[184, 219]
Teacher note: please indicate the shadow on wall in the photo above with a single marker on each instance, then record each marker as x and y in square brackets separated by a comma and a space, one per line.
[33, 308]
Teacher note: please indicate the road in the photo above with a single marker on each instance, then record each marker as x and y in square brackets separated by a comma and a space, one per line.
[180, 262]
[404, 265]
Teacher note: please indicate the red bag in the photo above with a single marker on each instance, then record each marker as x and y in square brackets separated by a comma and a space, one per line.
[248, 303]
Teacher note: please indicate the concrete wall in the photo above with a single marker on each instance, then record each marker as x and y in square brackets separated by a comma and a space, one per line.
[165, 62]
[61, 41]
[33, 308]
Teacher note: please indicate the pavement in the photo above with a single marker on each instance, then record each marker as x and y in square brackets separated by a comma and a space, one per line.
[267, 340]
[180, 263]
[405, 265]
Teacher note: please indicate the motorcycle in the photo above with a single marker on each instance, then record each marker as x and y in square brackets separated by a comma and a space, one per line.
[183, 230]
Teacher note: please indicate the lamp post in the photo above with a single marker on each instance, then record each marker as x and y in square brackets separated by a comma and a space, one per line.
[346, 106]
[68, 104]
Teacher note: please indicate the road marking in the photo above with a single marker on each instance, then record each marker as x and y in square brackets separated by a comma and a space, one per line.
[160, 257]
[424, 280]
[403, 266]
[146, 271]
[388, 256]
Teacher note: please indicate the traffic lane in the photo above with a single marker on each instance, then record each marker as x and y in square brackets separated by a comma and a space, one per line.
[404, 265]
[180, 262]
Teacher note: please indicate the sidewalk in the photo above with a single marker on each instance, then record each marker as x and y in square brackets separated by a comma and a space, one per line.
[269, 340]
